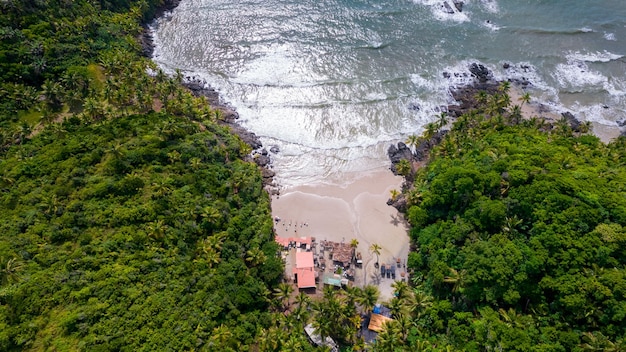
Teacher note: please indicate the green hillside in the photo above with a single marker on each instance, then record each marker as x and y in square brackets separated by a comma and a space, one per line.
[129, 219]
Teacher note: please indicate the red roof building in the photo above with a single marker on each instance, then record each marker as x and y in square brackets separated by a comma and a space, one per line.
[304, 270]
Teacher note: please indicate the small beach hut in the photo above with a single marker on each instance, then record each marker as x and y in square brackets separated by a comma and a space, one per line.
[317, 339]
[377, 321]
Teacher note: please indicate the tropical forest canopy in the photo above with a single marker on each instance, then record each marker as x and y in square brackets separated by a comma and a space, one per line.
[520, 230]
[131, 220]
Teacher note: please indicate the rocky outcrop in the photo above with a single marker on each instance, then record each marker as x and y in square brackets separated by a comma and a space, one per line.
[480, 72]
[399, 203]
[572, 121]
[399, 152]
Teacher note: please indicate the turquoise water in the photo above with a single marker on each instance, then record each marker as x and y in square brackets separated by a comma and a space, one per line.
[333, 83]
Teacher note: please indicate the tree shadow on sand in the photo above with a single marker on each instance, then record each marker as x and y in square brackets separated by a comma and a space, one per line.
[375, 278]
[395, 220]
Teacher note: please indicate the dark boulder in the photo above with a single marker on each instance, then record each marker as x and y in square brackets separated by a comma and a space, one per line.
[399, 203]
[572, 121]
[480, 72]
[397, 153]
[262, 160]
[459, 5]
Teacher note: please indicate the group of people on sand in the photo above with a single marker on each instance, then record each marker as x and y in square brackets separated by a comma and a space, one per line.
[288, 225]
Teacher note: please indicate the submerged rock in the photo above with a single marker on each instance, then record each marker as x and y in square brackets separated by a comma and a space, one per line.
[447, 8]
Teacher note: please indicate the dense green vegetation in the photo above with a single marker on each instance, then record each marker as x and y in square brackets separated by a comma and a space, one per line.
[520, 230]
[129, 219]
[136, 233]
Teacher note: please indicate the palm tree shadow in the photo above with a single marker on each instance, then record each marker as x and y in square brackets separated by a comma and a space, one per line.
[395, 220]
[375, 278]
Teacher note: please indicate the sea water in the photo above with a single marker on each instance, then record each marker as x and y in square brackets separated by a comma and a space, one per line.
[333, 83]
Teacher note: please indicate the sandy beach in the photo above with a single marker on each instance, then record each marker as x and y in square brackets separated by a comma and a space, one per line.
[341, 213]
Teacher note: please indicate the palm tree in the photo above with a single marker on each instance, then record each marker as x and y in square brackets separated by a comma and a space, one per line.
[456, 278]
[322, 326]
[504, 87]
[481, 97]
[52, 91]
[156, 229]
[404, 325]
[398, 306]
[401, 290]
[195, 163]
[524, 99]
[585, 127]
[283, 293]
[293, 344]
[414, 197]
[443, 120]
[255, 256]
[430, 131]
[413, 141]
[375, 249]
[353, 295]
[504, 100]
[516, 115]
[213, 243]
[369, 297]
[404, 167]
[212, 257]
[303, 300]
[390, 338]
[10, 271]
[420, 302]
[161, 189]
[394, 194]
[221, 335]
[211, 215]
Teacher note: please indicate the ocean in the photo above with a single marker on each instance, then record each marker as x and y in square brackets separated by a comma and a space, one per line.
[333, 83]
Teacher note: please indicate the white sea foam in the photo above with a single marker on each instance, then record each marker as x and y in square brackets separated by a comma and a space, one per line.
[586, 30]
[441, 12]
[599, 113]
[490, 5]
[494, 27]
[593, 57]
[609, 36]
[576, 76]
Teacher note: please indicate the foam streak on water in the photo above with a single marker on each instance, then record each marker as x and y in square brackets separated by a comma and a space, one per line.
[333, 83]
